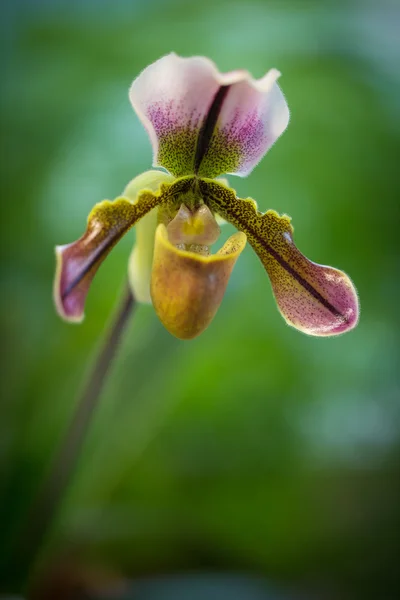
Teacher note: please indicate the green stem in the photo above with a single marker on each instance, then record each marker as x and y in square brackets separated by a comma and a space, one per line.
[50, 496]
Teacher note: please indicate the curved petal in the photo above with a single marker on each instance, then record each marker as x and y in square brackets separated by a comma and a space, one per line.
[187, 288]
[315, 299]
[200, 120]
[171, 98]
[77, 263]
[252, 117]
[141, 258]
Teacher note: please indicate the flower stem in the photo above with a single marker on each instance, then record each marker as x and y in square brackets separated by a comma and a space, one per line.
[44, 509]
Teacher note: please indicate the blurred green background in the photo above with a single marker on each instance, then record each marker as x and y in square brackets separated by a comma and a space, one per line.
[253, 449]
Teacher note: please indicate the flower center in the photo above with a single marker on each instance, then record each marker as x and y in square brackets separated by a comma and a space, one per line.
[194, 230]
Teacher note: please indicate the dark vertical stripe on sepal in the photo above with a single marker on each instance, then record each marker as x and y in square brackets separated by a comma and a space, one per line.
[208, 126]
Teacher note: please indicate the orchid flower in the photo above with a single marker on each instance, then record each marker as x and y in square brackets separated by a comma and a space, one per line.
[203, 124]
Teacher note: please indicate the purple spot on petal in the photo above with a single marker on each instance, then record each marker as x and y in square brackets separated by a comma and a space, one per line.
[249, 133]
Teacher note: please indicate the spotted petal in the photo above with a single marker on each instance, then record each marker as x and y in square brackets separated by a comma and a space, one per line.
[77, 263]
[315, 299]
[202, 121]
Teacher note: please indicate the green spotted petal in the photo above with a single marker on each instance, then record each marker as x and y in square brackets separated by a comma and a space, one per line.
[78, 262]
[316, 299]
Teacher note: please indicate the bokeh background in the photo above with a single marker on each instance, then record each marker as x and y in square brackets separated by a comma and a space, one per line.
[252, 462]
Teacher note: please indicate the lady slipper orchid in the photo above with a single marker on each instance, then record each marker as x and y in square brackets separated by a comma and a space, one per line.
[203, 124]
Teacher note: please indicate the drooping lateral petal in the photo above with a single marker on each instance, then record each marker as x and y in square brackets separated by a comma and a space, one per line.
[206, 122]
[315, 299]
[77, 263]
[187, 288]
[141, 258]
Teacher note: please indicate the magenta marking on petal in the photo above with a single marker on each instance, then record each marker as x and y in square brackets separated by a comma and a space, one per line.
[249, 132]
[316, 299]
[176, 134]
[77, 263]
[161, 117]
[341, 300]
[69, 306]
[167, 117]
[174, 97]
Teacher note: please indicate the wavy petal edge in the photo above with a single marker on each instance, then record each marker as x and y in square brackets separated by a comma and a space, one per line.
[316, 299]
